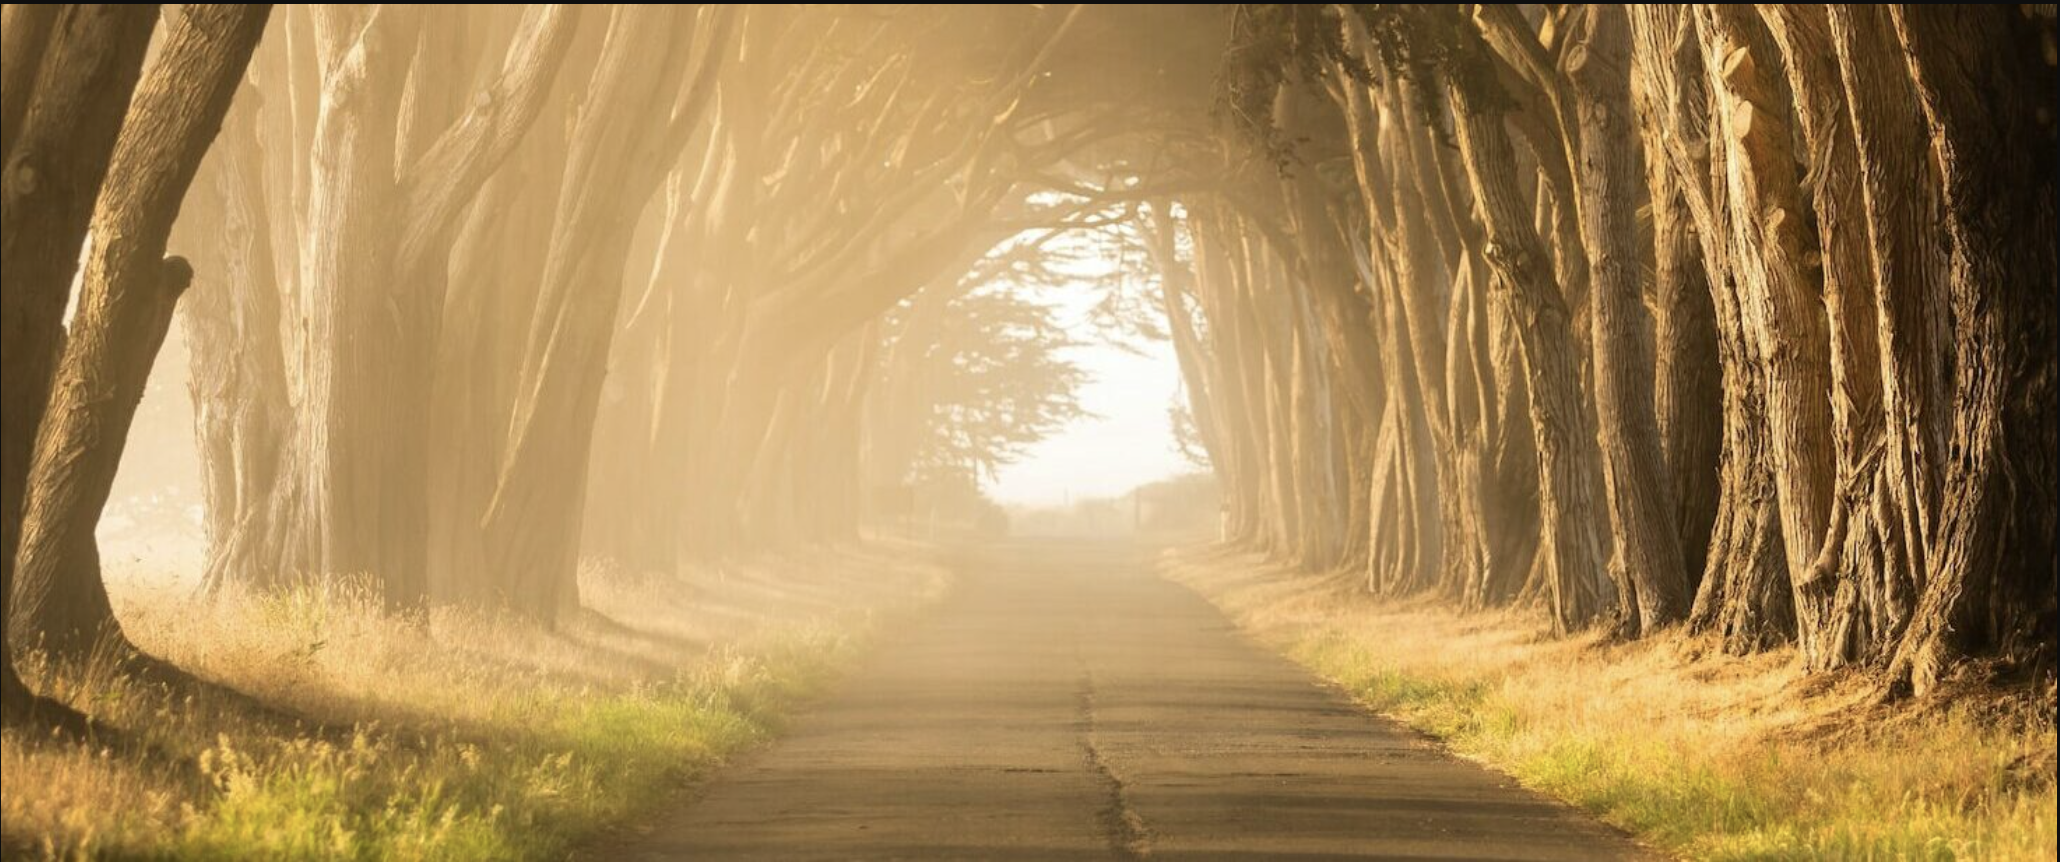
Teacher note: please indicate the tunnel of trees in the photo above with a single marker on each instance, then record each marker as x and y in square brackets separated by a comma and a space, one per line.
[1738, 318]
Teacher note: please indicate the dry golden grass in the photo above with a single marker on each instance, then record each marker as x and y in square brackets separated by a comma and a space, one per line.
[454, 736]
[1700, 754]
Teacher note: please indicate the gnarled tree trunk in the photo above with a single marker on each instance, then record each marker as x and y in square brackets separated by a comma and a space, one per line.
[1647, 565]
[1987, 98]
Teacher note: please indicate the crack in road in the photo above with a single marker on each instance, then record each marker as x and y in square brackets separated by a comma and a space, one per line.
[1121, 825]
[1073, 705]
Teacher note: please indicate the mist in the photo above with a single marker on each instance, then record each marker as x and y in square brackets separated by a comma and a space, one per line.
[624, 431]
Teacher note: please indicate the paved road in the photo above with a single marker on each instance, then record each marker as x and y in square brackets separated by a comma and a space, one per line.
[1068, 704]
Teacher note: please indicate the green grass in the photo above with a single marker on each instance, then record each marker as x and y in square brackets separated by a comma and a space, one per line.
[465, 738]
[1700, 755]
[588, 762]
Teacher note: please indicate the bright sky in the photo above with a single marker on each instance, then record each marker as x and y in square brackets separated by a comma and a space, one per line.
[1128, 442]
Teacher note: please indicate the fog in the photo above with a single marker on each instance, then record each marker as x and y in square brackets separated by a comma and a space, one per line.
[445, 431]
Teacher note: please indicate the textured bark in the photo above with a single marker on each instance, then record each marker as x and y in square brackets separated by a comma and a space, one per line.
[1517, 258]
[1217, 296]
[1272, 525]
[358, 513]
[1647, 568]
[1858, 556]
[1322, 535]
[242, 412]
[1176, 286]
[1341, 355]
[1780, 305]
[1743, 596]
[1687, 390]
[1407, 545]
[125, 307]
[493, 286]
[1270, 329]
[1987, 98]
[1422, 298]
[1456, 323]
[1509, 459]
[56, 157]
[1897, 186]
[375, 212]
[26, 28]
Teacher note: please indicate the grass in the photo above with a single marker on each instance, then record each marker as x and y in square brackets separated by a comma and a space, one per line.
[1699, 754]
[449, 737]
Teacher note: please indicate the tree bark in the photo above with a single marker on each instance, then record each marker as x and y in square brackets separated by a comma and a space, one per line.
[242, 412]
[618, 152]
[359, 515]
[1574, 553]
[1743, 596]
[64, 110]
[26, 28]
[1780, 306]
[1647, 568]
[125, 307]
[1987, 98]
[1898, 192]
[1687, 395]
[1857, 558]
[374, 214]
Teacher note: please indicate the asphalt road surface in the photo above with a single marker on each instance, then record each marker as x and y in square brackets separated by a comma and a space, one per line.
[1066, 703]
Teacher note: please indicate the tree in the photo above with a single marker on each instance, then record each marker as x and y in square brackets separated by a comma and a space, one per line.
[1647, 567]
[371, 249]
[1990, 563]
[64, 104]
[617, 154]
[125, 306]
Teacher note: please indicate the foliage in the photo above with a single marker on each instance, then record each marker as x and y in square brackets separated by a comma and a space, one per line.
[990, 365]
[1273, 44]
[996, 381]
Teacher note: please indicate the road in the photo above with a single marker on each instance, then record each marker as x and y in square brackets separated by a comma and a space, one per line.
[1066, 703]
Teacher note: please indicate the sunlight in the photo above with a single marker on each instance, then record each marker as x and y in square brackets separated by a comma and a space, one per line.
[1127, 440]
[1543, 432]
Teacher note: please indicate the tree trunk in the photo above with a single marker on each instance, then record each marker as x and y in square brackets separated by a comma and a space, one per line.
[1687, 393]
[1842, 591]
[1780, 305]
[361, 514]
[242, 412]
[1743, 596]
[1898, 188]
[26, 28]
[374, 214]
[63, 112]
[1228, 354]
[125, 307]
[1521, 274]
[618, 152]
[1175, 287]
[1647, 568]
[1987, 98]
[1508, 505]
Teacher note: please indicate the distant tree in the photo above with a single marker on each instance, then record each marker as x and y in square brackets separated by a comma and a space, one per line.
[982, 379]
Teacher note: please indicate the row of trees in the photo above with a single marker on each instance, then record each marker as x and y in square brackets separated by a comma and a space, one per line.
[471, 291]
[1734, 316]
[1737, 317]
